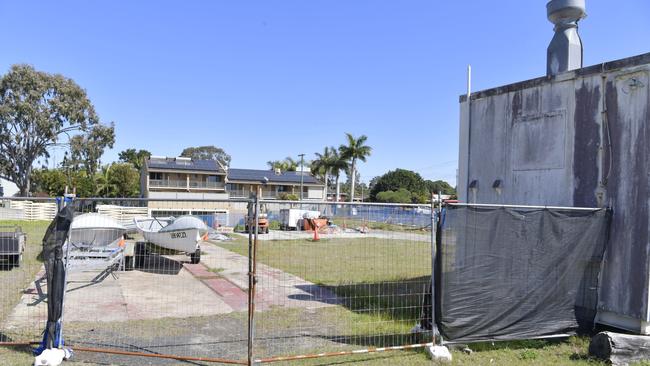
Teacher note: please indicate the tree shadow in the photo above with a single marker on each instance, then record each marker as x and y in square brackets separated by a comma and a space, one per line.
[22, 349]
[398, 302]
[159, 264]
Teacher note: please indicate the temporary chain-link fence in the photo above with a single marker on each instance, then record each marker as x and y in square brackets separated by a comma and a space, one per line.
[253, 281]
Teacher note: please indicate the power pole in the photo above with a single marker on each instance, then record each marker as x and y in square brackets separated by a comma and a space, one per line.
[302, 173]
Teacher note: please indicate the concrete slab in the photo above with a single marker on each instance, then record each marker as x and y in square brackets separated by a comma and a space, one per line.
[275, 288]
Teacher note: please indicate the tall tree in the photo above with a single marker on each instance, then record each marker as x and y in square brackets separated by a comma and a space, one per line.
[355, 150]
[134, 157]
[124, 180]
[339, 164]
[286, 165]
[87, 149]
[322, 165]
[207, 153]
[36, 108]
[398, 179]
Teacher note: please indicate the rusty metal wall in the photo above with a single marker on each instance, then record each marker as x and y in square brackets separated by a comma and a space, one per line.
[577, 139]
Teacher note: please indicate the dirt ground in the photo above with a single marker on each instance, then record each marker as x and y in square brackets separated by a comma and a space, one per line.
[169, 306]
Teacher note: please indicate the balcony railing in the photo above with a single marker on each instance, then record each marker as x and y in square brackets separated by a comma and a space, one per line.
[164, 183]
[207, 185]
[239, 193]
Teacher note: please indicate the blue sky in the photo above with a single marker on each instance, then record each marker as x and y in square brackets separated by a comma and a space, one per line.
[267, 79]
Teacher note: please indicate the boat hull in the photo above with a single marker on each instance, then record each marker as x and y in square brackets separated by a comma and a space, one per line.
[186, 240]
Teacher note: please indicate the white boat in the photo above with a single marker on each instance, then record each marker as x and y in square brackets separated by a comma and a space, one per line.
[92, 229]
[95, 242]
[183, 234]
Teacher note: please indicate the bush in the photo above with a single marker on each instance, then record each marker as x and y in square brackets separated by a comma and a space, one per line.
[284, 196]
[400, 196]
[274, 225]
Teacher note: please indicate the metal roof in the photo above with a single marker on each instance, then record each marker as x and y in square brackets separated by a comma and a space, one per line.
[255, 175]
[177, 164]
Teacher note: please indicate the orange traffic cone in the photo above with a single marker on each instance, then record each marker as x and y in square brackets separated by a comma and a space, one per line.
[315, 227]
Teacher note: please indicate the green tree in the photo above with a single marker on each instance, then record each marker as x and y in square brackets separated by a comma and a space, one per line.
[124, 180]
[398, 179]
[286, 165]
[355, 150]
[36, 108]
[51, 182]
[440, 186]
[104, 187]
[207, 153]
[134, 157]
[400, 196]
[339, 164]
[87, 149]
[322, 165]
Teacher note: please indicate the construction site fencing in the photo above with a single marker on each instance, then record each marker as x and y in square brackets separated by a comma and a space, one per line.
[265, 280]
[517, 272]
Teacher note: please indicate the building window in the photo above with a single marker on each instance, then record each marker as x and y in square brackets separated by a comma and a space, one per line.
[214, 178]
[156, 175]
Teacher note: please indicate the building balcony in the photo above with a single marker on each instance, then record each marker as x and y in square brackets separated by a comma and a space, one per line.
[185, 184]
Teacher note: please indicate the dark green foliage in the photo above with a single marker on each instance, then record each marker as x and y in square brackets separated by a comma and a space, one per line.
[36, 109]
[286, 165]
[207, 153]
[355, 150]
[400, 196]
[134, 157]
[87, 149]
[399, 179]
[124, 180]
[440, 186]
[284, 196]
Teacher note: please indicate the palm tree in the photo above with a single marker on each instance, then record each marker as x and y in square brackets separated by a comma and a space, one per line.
[338, 165]
[105, 187]
[322, 165]
[355, 150]
[286, 165]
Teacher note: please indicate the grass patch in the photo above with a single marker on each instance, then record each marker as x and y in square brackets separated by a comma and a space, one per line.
[15, 280]
[374, 225]
[379, 282]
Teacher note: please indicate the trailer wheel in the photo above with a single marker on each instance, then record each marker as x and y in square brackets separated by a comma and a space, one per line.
[15, 260]
[128, 263]
[139, 253]
[195, 257]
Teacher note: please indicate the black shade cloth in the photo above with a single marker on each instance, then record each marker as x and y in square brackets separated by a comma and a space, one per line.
[53, 242]
[505, 274]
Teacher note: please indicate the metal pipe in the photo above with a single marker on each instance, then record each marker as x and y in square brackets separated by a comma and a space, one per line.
[162, 356]
[434, 233]
[412, 205]
[253, 282]
[525, 207]
[343, 353]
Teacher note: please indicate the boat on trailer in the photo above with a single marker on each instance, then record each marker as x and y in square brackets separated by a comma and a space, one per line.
[183, 234]
[95, 242]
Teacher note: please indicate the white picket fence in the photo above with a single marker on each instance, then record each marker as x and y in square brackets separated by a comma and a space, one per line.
[30, 210]
[122, 214]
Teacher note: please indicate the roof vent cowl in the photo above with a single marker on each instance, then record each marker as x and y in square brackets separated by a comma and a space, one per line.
[565, 51]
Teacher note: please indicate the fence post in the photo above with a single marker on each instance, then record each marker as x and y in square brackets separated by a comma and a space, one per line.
[251, 280]
[434, 251]
[253, 211]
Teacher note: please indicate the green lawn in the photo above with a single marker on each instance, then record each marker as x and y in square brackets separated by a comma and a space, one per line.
[378, 278]
[14, 281]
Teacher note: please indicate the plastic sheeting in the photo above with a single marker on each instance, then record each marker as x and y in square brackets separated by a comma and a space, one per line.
[505, 274]
[55, 237]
